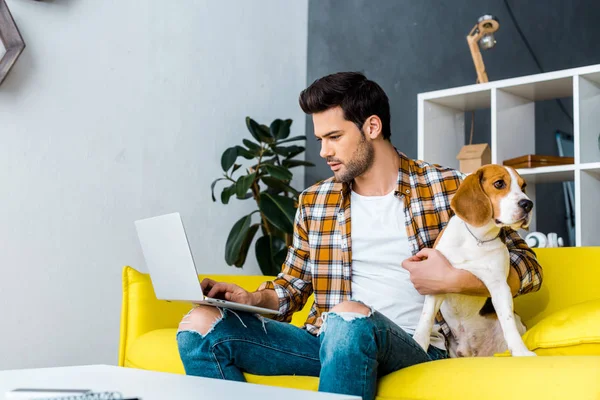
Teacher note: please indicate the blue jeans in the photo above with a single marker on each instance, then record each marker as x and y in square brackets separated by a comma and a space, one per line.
[349, 355]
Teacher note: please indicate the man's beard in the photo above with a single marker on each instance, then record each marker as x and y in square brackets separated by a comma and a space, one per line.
[361, 161]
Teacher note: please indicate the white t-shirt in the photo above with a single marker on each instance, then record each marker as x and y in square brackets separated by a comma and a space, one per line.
[379, 245]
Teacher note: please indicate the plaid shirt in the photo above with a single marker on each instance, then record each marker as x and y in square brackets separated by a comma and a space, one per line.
[320, 258]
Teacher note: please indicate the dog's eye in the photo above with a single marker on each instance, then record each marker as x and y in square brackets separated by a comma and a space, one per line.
[499, 184]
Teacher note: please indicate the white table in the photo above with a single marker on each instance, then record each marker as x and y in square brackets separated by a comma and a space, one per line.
[149, 385]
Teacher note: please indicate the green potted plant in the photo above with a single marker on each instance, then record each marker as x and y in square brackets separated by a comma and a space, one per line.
[267, 181]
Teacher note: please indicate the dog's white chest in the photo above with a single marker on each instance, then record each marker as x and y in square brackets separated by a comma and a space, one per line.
[463, 252]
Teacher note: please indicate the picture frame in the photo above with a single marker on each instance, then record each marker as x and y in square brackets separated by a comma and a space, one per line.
[11, 40]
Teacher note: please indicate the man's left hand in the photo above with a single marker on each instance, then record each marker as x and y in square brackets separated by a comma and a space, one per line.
[430, 272]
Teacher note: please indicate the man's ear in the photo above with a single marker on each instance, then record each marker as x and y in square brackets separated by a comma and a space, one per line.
[471, 203]
[373, 127]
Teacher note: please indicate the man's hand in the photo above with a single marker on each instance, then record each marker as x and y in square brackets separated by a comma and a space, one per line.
[430, 272]
[232, 292]
[226, 291]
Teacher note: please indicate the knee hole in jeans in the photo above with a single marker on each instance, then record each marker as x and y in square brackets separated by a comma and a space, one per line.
[201, 319]
[351, 307]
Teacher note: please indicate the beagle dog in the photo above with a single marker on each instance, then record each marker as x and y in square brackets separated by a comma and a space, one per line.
[487, 200]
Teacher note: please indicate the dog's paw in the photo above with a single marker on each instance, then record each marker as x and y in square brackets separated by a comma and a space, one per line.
[523, 353]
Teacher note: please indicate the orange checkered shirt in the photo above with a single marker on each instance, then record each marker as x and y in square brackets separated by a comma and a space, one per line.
[320, 258]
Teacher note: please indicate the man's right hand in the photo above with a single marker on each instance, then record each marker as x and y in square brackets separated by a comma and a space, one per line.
[227, 291]
[232, 292]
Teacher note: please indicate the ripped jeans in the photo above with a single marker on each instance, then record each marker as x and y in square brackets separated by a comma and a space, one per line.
[349, 355]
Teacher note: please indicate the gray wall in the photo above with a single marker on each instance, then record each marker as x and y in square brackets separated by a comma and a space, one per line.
[119, 110]
[410, 47]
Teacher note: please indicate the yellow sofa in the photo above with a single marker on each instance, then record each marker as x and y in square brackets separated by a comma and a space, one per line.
[564, 329]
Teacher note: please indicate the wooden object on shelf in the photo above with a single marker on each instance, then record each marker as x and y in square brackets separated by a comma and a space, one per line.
[11, 39]
[534, 160]
[473, 156]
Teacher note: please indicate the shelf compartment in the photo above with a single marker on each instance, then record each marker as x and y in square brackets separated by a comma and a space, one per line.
[554, 173]
[470, 101]
[543, 90]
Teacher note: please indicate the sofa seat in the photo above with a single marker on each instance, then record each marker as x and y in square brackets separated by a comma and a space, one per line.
[571, 376]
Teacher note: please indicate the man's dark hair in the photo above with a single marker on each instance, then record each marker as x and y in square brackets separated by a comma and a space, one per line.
[358, 97]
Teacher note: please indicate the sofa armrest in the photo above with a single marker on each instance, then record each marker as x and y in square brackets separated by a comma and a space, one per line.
[142, 312]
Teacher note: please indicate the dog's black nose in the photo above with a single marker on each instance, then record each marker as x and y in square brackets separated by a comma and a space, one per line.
[526, 205]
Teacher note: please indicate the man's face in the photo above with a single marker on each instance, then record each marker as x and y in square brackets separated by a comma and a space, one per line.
[344, 147]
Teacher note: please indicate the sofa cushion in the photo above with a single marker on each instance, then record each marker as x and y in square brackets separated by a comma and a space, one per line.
[464, 378]
[493, 378]
[574, 330]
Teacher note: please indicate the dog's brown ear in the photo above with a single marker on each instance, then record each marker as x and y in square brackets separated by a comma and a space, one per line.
[471, 203]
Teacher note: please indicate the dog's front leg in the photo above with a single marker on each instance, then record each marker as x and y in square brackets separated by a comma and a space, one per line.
[503, 304]
[430, 309]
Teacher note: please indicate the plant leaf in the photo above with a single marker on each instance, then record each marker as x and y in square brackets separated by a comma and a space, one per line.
[275, 127]
[228, 158]
[247, 154]
[243, 184]
[227, 193]
[288, 151]
[235, 168]
[255, 148]
[264, 162]
[236, 236]
[292, 139]
[259, 132]
[284, 129]
[294, 152]
[278, 172]
[212, 187]
[296, 163]
[253, 128]
[239, 262]
[262, 250]
[279, 211]
[268, 249]
[237, 239]
[279, 185]
[266, 130]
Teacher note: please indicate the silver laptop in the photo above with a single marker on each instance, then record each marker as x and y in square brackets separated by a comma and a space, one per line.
[171, 265]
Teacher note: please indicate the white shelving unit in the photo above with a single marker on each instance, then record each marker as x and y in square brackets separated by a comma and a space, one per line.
[441, 132]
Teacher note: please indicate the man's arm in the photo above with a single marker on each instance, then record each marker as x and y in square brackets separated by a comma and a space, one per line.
[432, 273]
[524, 262]
[266, 299]
[467, 283]
[291, 289]
[288, 292]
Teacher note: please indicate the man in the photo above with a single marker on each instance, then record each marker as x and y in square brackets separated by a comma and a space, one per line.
[368, 285]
